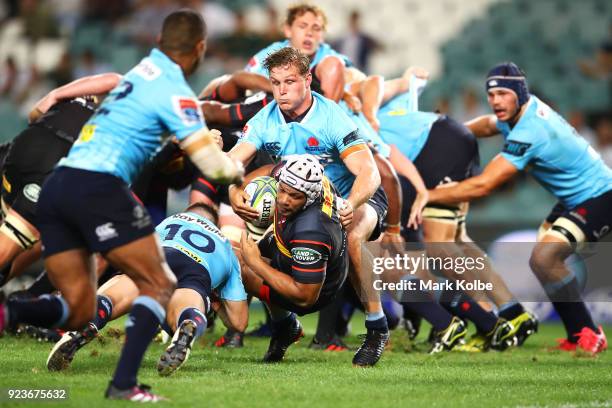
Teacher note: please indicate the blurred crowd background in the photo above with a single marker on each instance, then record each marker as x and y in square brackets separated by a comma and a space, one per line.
[565, 47]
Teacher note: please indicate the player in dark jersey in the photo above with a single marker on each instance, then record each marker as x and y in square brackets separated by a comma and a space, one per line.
[55, 123]
[302, 121]
[306, 249]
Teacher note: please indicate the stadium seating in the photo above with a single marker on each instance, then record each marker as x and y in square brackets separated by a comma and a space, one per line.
[521, 31]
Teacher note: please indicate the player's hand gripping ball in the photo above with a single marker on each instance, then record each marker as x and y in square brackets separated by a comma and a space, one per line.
[262, 191]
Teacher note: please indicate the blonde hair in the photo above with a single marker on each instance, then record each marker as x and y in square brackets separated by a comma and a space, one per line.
[300, 9]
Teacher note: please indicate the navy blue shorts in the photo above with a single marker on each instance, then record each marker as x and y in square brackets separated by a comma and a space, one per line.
[380, 203]
[593, 216]
[92, 210]
[189, 273]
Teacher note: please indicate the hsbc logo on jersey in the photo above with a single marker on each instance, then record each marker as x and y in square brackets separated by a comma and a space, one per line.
[188, 110]
[306, 256]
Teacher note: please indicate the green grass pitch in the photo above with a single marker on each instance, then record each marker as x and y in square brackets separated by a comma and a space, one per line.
[406, 376]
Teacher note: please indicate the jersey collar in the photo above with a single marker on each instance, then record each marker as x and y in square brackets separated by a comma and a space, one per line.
[303, 118]
[166, 62]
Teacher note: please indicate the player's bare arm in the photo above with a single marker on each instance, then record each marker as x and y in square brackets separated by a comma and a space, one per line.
[303, 295]
[483, 126]
[367, 180]
[244, 153]
[90, 85]
[497, 172]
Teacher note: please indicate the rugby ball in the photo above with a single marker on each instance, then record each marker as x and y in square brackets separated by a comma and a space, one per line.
[262, 193]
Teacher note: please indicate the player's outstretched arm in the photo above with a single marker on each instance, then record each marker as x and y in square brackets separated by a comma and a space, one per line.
[202, 148]
[483, 126]
[497, 172]
[396, 86]
[231, 87]
[90, 85]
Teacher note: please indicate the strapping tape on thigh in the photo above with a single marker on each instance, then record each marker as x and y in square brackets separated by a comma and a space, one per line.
[567, 230]
[24, 238]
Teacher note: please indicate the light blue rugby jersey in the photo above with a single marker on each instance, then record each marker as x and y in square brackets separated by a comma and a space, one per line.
[152, 100]
[326, 132]
[366, 131]
[406, 129]
[255, 64]
[202, 241]
[546, 146]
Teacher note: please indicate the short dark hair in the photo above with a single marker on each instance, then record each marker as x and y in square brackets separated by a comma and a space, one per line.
[288, 56]
[209, 210]
[300, 9]
[181, 31]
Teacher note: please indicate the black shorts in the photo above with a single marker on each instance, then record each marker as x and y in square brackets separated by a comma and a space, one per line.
[86, 209]
[449, 154]
[189, 273]
[380, 203]
[408, 197]
[593, 216]
[31, 158]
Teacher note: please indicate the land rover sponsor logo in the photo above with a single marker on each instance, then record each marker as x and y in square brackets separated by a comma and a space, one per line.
[305, 256]
[31, 192]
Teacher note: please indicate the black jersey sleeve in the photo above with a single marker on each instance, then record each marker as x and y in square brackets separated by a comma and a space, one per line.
[310, 251]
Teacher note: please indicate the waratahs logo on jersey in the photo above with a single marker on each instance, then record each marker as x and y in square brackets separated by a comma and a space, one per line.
[253, 63]
[188, 110]
[313, 145]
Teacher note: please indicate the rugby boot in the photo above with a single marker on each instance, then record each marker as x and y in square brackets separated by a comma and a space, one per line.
[63, 352]
[502, 336]
[448, 338]
[525, 325]
[592, 342]
[477, 343]
[138, 393]
[371, 349]
[565, 345]
[333, 344]
[230, 339]
[281, 340]
[179, 349]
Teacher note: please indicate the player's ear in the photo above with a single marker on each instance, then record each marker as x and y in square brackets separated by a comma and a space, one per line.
[287, 31]
[308, 78]
[201, 47]
[158, 39]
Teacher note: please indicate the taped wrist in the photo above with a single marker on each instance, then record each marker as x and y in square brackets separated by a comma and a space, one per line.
[210, 159]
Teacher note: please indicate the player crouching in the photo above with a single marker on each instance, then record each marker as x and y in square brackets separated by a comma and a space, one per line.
[202, 260]
[306, 249]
